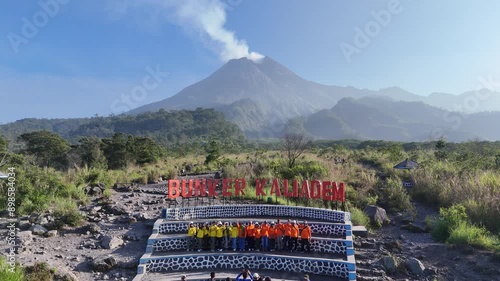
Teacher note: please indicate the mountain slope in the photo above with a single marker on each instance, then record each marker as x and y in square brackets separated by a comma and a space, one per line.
[386, 119]
[272, 91]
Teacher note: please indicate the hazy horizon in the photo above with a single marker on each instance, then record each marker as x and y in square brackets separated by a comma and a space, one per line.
[64, 59]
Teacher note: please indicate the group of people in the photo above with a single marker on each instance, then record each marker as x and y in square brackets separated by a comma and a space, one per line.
[250, 236]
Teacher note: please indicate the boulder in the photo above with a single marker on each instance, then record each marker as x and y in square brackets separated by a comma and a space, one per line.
[109, 242]
[415, 266]
[377, 215]
[117, 209]
[65, 275]
[413, 227]
[38, 229]
[25, 237]
[103, 263]
[389, 263]
[51, 233]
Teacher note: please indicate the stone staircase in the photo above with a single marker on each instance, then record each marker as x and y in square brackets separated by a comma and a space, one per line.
[332, 244]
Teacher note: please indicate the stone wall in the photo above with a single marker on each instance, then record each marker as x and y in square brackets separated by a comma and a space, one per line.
[254, 211]
[254, 262]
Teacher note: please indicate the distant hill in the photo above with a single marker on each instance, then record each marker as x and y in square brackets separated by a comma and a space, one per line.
[383, 118]
[262, 96]
[164, 126]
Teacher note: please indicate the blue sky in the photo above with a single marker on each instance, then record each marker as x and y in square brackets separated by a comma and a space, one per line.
[86, 55]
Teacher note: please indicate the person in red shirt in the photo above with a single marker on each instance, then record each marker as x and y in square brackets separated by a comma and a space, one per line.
[305, 237]
[264, 233]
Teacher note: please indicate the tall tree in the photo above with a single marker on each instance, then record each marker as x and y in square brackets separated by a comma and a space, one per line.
[49, 149]
[90, 152]
[213, 152]
[3, 150]
[116, 152]
[146, 150]
[294, 146]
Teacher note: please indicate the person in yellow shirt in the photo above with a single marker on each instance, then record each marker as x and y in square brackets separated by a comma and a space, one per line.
[200, 235]
[227, 235]
[213, 236]
[191, 240]
[220, 236]
[233, 230]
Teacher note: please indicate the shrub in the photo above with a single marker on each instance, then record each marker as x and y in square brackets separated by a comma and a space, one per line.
[39, 272]
[466, 234]
[449, 219]
[67, 212]
[393, 196]
[358, 217]
[7, 275]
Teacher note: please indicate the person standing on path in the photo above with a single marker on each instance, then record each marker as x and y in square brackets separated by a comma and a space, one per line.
[233, 229]
[305, 237]
[279, 235]
[191, 242]
[200, 234]
[264, 236]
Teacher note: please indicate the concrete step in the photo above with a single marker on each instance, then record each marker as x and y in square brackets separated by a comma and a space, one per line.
[359, 230]
[342, 268]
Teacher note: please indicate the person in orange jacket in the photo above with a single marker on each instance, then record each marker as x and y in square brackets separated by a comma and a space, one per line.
[294, 236]
[272, 236]
[287, 232]
[257, 236]
[279, 235]
[264, 236]
[305, 237]
[242, 235]
[250, 234]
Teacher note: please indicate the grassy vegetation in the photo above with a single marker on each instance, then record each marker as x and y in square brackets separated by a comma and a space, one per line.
[7, 275]
[460, 178]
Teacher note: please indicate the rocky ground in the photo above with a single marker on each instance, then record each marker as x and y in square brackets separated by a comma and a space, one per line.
[404, 250]
[114, 237]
